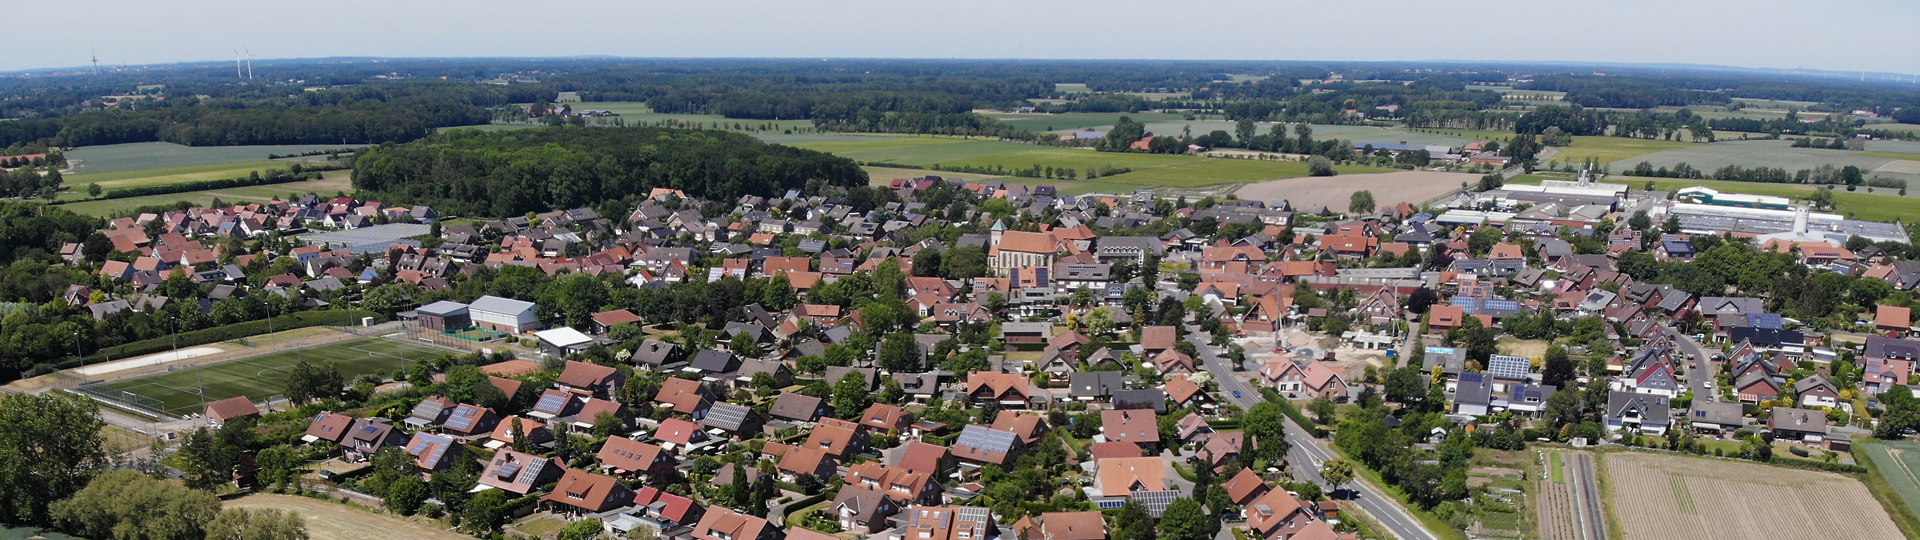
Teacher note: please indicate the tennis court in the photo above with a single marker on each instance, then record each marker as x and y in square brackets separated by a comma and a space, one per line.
[177, 392]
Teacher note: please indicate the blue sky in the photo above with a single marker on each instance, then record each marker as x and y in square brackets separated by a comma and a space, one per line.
[1827, 34]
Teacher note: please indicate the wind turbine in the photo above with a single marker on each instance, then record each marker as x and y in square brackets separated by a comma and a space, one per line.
[250, 58]
[96, 58]
[236, 64]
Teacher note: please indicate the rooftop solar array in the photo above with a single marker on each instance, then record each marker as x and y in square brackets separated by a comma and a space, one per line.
[1509, 367]
[726, 415]
[462, 418]
[533, 471]
[986, 439]
[432, 446]
[551, 404]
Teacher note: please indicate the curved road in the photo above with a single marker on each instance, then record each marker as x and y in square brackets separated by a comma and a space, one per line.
[1307, 454]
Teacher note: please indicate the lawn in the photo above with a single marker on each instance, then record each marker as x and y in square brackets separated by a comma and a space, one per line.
[109, 181]
[335, 181]
[177, 392]
[156, 155]
[1615, 149]
[1558, 476]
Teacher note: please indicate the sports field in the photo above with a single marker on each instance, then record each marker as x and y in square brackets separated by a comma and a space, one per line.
[333, 182]
[1665, 496]
[177, 392]
[159, 155]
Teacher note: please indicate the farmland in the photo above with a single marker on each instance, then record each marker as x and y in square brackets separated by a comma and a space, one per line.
[1661, 496]
[177, 392]
[1894, 477]
[880, 176]
[633, 112]
[329, 520]
[1074, 121]
[333, 182]
[109, 181]
[1148, 170]
[1335, 192]
[1756, 153]
[158, 155]
[1616, 149]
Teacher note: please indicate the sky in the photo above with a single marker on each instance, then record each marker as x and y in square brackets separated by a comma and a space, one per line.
[1844, 35]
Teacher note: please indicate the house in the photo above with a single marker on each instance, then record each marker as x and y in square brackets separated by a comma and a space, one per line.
[861, 510]
[684, 396]
[1278, 515]
[980, 445]
[1444, 318]
[725, 524]
[1245, 486]
[1184, 392]
[920, 457]
[946, 523]
[1382, 306]
[1140, 427]
[581, 492]
[518, 473]
[623, 457]
[1816, 391]
[503, 314]
[1716, 417]
[739, 420]
[679, 435]
[658, 354]
[589, 379]
[233, 408]
[1063, 526]
[1138, 479]
[1157, 339]
[562, 341]
[603, 322]
[1806, 425]
[887, 419]
[1007, 389]
[798, 408]
[838, 438]
[433, 452]
[504, 434]
[1473, 394]
[794, 462]
[1893, 321]
[328, 426]
[901, 485]
[1648, 414]
[369, 435]
[1755, 386]
[657, 510]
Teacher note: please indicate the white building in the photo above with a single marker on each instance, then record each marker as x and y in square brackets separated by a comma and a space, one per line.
[503, 314]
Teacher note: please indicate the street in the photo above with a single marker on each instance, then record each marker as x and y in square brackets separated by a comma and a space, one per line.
[1702, 358]
[1307, 453]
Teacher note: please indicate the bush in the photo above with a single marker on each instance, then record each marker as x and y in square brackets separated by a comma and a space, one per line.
[1320, 166]
[1798, 451]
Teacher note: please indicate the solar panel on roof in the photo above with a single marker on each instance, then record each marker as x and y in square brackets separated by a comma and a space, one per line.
[986, 439]
[1508, 367]
[726, 414]
[551, 403]
[462, 418]
[533, 471]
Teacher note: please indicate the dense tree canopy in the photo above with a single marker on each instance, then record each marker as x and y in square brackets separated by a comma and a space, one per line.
[512, 173]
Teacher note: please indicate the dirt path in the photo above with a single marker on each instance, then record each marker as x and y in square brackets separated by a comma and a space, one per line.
[327, 520]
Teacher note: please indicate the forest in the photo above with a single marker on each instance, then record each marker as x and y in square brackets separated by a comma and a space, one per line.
[516, 172]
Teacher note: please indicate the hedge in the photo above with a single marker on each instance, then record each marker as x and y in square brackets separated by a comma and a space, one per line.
[1816, 465]
[275, 176]
[212, 335]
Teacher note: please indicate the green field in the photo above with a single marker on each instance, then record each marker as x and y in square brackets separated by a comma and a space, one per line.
[1615, 149]
[1071, 88]
[177, 392]
[1894, 127]
[880, 176]
[335, 181]
[1898, 463]
[156, 155]
[77, 183]
[1075, 121]
[1753, 153]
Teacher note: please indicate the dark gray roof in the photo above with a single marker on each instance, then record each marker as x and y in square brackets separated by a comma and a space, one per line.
[1473, 389]
[715, 361]
[1149, 398]
[1096, 383]
[726, 416]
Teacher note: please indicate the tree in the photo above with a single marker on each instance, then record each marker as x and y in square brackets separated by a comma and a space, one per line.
[1556, 369]
[51, 446]
[1640, 221]
[780, 295]
[1420, 299]
[1322, 409]
[1243, 129]
[1671, 225]
[96, 248]
[307, 383]
[1406, 385]
[128, 505]
[1361, 203]
[899, 353]
[1098, 322]
[926, 263]
[851, 396]
[1320, 166]
[257, 524]
[1337, 472]
[93, 190]
[466, 384]
[586, 529]
[486, 512]
[201, 459]
[279, 466]
[1185, 520]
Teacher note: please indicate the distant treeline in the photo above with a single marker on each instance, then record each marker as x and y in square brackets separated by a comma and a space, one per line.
[396, 112]
[510, 173]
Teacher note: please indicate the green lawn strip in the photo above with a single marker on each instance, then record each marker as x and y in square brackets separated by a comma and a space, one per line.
[1901, 504]
[1505, 521]
[1433, 523]
[77, 184]
[258, 377]
[1893, 155]
[105, 207]
[1558, 476]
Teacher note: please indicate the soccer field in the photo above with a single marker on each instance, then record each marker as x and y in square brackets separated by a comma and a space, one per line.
[177, 392]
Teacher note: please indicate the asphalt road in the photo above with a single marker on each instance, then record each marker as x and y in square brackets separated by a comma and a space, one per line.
[1586, 496]
[1703, 358]
[1307, 454]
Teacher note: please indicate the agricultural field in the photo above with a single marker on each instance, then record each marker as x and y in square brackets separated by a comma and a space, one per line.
[1898, 465]
[329, 520]
[1616, 150]
[1665, 496]
[1910, 128]
[1037, 122]
[1754, 153]
[333, 182]
[159, 155]
[1334, 192]
[880, 176]
[177, 392]
[1149, 170]
[633, 112]
[77, 183]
